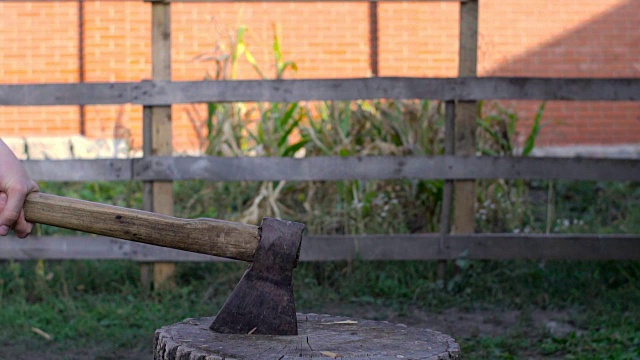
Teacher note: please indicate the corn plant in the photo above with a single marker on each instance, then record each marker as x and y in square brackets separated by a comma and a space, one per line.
[241, 129]
[358, 128]
[503, 205]
[219, 129]
[374, 128]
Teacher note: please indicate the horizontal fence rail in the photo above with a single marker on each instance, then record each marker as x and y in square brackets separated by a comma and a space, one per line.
[152, 93]
[334, 168]
[80, 170]
[336, 248]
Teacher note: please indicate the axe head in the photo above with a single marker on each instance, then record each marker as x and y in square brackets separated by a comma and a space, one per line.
[262, 302]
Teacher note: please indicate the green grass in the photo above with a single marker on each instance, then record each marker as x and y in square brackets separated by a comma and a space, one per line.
[100, 304]
[88, 304]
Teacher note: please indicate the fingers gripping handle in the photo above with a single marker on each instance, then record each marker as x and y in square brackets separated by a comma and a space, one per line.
[207, 236]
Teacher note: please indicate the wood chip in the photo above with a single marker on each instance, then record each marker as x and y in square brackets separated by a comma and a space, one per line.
[340, 322]
[42, 333]
[331, 354]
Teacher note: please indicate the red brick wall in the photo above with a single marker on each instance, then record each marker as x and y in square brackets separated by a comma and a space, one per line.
[566, 39]
[39, 43]
[419, 39]
[117, 38]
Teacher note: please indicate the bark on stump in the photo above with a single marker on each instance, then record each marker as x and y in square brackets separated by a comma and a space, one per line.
[320, 336]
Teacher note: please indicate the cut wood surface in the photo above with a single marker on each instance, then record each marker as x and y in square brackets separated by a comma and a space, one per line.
[337, 248]
[207, 236]
[159, 92]
[319, 336]
[335, 168]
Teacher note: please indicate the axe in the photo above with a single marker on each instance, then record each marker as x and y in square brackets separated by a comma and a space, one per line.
[261, 303]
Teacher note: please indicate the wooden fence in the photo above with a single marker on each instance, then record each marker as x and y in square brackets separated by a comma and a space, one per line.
[324, 248]
[459, 166]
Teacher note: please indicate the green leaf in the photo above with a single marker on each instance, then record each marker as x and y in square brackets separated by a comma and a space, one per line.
[283, 67]
[260, 133]
[254, 63]
[291, 150]
[258, 137]
[240, 34]
[344, 121]
[288, 131]
[535, 130]
[504, 144]
[277, 51]
[285, 135]
[288, 114]
[488, 152]
[212, 108]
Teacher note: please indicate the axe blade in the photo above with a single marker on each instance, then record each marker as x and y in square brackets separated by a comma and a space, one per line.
[262, 302]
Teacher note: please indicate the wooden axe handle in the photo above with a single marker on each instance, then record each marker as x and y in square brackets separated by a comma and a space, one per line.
[207, 236]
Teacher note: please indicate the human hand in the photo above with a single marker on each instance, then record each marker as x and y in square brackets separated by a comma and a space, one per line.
[15, 185]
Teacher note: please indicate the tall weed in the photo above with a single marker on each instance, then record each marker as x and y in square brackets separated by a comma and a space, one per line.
[503, 205]
[331, 128]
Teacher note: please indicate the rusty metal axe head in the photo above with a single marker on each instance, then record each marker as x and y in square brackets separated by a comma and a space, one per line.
[262, 302]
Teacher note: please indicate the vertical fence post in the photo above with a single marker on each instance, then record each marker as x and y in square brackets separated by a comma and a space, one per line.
[157, 137]
[374, 38]
[458, 216]
[465, 119]
[447, 193]
[82, 126]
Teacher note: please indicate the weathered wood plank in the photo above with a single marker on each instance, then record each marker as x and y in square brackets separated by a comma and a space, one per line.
[473, 246]
[384, 167]
[80, 170]
[167, 92]
[464, 192]
[335, 168]
[335, 248]
[447, 191]
[468, 47]
[69, 94]
[91, 247]
[159, 129]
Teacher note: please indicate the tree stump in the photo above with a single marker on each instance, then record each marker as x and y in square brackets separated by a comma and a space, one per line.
[320, 336]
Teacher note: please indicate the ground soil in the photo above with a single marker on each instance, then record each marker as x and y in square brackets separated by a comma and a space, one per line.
[463, 323]
[458, 323]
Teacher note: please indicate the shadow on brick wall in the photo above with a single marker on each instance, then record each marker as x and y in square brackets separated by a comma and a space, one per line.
[606, 46]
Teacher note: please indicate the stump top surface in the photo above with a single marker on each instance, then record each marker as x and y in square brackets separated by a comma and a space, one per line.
[319, 336]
